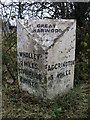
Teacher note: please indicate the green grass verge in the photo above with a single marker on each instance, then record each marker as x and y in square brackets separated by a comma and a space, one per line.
[17, 104]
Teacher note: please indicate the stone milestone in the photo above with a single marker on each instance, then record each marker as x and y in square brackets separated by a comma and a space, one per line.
[46, 56]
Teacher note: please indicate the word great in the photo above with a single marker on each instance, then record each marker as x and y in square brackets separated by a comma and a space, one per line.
[46, 25]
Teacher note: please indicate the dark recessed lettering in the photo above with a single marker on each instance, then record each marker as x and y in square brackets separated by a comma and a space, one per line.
[30, 65]
[28, 82]
[38, 25]
[63, 74]
[52, 30]
[59, 65]
[42, 30]
[38, 30]
[47, 30]
[68, 72]
[60, 75]
[56, 66]
[30, 74]
[51, 77]
[29, 55]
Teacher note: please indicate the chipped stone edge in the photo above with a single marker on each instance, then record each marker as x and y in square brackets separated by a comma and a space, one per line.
[67, 29]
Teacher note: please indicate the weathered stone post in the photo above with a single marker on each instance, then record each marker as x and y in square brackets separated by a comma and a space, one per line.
[46, 56]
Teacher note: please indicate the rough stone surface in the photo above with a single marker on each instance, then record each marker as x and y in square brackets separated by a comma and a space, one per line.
[46, 56]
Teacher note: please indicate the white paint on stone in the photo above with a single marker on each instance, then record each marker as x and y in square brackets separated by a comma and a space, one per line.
[47, 58]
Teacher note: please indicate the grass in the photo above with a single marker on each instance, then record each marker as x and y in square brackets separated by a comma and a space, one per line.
[17, 103]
